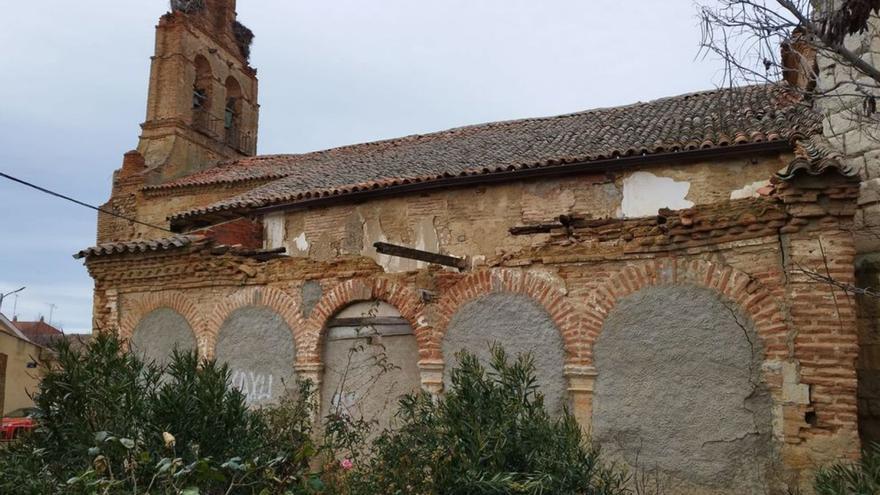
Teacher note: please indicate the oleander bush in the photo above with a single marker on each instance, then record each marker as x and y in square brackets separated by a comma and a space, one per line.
[110, 423]
[489, 434]
[860, 478]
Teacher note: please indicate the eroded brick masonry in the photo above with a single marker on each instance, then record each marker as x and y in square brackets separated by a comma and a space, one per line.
[667, 263]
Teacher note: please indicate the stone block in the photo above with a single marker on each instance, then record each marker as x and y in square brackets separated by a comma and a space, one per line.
[869, 192]
[793, 392]
[872, 163]
[839, 123]
[859, 140]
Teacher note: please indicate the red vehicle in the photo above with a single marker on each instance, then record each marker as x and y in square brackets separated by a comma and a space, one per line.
[17, 422]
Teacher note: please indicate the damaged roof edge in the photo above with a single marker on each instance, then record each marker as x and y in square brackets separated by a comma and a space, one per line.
[139, 246]
[815, 156]
[182, 221]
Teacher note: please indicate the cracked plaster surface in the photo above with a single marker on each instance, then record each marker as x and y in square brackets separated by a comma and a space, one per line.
[679, 389]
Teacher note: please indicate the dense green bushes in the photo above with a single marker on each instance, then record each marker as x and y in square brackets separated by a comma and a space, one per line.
[862, 478]
[112, 424]
[489, 434]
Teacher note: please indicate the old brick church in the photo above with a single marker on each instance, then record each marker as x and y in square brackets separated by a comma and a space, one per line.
[658, 259]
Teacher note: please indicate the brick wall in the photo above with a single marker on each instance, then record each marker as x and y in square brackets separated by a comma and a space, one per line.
[242, 232]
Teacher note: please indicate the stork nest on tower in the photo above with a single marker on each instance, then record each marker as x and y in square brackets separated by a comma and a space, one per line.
[244, 37]
[188, 6]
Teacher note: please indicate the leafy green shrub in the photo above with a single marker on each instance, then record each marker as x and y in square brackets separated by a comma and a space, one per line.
[98, 389]
[490, 434]
[862, 478]
[216, 422]
[23, 470]
[110, 423]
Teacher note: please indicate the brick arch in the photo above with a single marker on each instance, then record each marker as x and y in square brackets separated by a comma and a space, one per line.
[749, 294]
[406, 301]
[141, 306]
[552, 299]
[274, 299]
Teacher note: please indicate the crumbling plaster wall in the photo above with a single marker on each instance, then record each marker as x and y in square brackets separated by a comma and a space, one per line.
[679, 389]
[474, 221]
[258, 346]
[519, 325]
[159, 333]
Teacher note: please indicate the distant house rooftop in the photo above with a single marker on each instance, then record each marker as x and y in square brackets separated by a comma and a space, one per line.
[38, 332]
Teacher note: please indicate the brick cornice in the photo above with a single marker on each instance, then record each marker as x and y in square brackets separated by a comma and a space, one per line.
[567, 320]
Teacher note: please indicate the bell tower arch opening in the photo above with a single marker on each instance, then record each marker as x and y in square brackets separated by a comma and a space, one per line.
[232, 113]
[203, 90]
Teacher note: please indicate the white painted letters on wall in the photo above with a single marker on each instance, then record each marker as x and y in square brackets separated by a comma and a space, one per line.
[256, 387]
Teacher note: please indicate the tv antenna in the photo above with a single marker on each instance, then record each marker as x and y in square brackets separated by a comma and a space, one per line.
[51, 312]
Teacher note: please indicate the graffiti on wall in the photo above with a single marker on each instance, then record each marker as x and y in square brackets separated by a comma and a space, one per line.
[258, 347]
[256, 386]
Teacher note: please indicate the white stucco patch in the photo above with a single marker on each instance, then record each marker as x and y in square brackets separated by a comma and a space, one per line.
[274, 230]
[301, 243]
[426, 239]
[426, 235]
[749, 190]
[644, 193]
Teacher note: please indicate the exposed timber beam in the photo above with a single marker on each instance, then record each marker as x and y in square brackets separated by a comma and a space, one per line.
[418, 254]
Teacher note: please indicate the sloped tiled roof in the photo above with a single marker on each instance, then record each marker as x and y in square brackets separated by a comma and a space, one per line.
[165, 243]
[7, 326]
[710, 119]
[38, 332]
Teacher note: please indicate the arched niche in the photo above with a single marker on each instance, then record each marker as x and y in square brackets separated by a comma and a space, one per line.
[519, 324]
[258, 346]
[233, 110]
[370, 358]
[203, 85]
[679, 391]
[158, 333]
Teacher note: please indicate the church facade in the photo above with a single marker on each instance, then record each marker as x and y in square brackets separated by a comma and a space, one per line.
[666, 263]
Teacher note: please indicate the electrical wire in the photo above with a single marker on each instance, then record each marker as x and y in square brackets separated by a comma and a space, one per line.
[76, 201]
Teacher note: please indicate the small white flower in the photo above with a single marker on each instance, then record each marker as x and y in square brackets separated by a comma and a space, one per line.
[169, 439]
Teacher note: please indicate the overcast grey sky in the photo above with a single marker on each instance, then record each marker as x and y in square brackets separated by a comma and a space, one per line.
[73, 83]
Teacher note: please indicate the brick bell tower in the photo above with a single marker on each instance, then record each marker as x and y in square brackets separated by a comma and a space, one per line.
[202, 102]
[201, 108]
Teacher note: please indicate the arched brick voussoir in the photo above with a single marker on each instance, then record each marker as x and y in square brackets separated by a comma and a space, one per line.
[274, 299]
[567, 319]
[753, 299]
[406, 300]
[137, 307]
